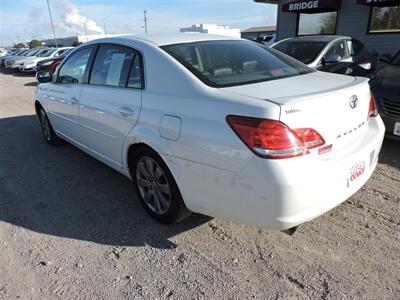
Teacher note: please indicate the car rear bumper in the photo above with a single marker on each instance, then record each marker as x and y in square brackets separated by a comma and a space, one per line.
[280, 194]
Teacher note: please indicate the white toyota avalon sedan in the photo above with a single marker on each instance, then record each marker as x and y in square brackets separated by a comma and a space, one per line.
[215, 125]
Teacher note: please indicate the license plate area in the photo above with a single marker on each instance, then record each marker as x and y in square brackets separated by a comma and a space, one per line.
[396, 129]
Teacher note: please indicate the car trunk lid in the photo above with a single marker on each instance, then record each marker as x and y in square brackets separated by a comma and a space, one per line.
[335, 106]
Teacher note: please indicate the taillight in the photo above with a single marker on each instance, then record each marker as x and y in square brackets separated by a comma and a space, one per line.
[373, 109]
[272, 138]
[310, 137]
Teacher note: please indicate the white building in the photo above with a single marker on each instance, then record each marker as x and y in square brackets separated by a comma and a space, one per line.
[75, 40]
[212, 29]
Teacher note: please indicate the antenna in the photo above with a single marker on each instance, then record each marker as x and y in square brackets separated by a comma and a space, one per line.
[145, 20]
[52, 25]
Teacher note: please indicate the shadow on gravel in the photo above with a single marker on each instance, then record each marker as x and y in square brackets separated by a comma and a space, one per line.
[33, 83]
[63, 192]
[390, 153]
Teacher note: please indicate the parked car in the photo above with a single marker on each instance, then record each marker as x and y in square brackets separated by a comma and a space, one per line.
[3, 52]
[16, 61]
[330, 53]
[220, 126]
[29, 65]
[385, 85]
[267, 40]
[13, 54]
[51, 64]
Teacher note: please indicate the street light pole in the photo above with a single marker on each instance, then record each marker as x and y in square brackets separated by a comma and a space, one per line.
[52, 25]
[84, 25]
[145, 20]
[104, 25]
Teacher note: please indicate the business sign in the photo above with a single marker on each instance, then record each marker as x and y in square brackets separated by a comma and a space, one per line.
[312, 6]
[379, 2]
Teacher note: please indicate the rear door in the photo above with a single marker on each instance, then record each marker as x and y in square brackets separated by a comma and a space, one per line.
[64, 94]
[111, 102]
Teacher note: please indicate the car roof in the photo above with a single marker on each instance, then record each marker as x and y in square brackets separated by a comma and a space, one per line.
[317, 38]
[168, 39]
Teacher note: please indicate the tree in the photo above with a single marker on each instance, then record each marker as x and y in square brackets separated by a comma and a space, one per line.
[35, 43]
[329, 24]
[20, 45]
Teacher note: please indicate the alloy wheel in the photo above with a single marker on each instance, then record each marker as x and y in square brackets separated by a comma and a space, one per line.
[153, 185]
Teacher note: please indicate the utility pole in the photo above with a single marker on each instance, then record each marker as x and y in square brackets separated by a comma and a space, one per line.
[52, 25]
[145, 20]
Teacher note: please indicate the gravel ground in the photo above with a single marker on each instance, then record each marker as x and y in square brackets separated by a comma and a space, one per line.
[72, 228]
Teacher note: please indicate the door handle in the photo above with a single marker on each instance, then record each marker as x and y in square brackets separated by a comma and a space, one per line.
[126, 111]
[74, 100]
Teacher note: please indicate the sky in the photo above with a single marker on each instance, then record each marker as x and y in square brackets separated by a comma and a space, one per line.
[24, 20]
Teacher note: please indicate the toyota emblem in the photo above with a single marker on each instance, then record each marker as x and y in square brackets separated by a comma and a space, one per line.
[353, 101]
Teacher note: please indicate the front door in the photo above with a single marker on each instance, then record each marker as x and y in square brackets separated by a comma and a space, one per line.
[111, 102]
[63, 96]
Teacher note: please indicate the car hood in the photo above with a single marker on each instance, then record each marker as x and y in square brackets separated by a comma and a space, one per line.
[51, 59]
[387, 80]
[282, 91]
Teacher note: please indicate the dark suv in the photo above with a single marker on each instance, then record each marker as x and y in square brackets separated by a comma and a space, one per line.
[385, 85]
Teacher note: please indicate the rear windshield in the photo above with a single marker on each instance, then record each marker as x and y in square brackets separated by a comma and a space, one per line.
[230, 63]
[304, 51]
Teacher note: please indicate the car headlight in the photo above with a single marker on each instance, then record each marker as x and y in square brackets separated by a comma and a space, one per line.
[48, 63]
[30, 62]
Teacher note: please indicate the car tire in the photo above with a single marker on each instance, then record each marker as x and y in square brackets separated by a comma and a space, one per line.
[47, 129]
[156, 188]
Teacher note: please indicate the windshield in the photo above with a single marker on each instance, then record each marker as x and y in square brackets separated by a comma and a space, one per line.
[47, 53]
[230, 63]
[65, 53]
[30, 53]
[61, 52]
[304, 51]
[396, 60]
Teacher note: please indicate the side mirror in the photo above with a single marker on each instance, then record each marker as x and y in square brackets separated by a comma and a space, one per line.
[44, 76]
[331, 59]
[385, 58]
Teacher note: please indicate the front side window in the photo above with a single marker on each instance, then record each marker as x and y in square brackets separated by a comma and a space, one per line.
[337, 49]
[304, 51]
[112, 66]
[73, 70]
[230, 63]
[319, 23]
[384, 19]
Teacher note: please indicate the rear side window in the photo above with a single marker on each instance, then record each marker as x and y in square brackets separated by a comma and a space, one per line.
[230, 63]
[73, 70]
[135, 79]
[114, 65]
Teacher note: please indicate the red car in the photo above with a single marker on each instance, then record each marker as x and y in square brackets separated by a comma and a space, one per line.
[51, 64]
